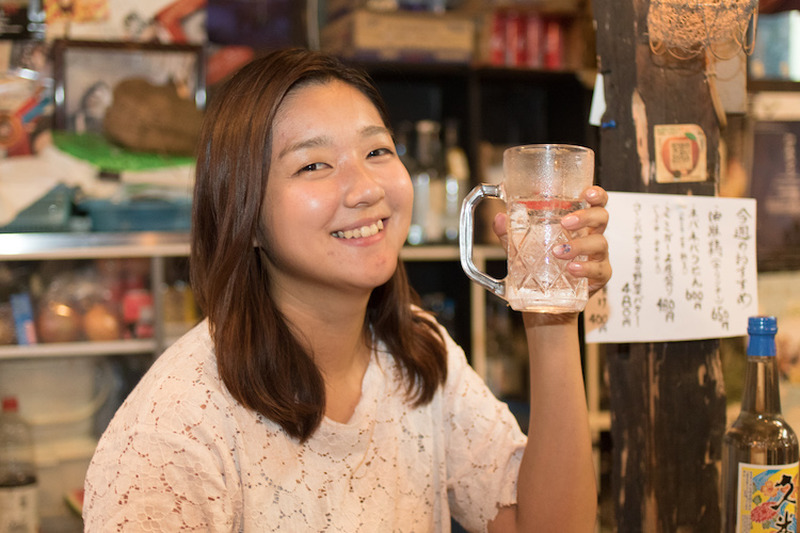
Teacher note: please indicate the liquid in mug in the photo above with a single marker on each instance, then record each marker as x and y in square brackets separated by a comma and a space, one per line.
[537, 280]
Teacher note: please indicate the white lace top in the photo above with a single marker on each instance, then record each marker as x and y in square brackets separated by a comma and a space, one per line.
[182, 454]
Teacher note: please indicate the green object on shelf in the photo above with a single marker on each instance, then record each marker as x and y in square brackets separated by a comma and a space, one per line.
[108, 156]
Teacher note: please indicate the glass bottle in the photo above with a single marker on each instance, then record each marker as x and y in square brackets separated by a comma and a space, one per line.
[760, 450]
[18, 483]
[456, 180]
[403, 134]
[429, 186]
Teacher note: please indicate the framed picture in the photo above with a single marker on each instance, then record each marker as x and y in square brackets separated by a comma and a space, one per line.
[86, 73]
[775, 179]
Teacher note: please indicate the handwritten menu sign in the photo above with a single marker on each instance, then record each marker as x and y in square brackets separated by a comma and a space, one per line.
[684, 268]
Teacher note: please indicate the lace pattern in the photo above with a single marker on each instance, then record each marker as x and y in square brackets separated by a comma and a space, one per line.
[182, 454]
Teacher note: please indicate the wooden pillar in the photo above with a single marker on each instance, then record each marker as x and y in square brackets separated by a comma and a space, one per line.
[667, 400]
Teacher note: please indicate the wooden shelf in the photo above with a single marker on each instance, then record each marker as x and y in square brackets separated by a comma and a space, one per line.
[47, 246]
[755, 86]
[78, 349]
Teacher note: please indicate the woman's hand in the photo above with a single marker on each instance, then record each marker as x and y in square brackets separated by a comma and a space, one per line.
[593, 245]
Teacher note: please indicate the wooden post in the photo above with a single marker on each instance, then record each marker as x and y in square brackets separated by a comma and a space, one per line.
[667, 400]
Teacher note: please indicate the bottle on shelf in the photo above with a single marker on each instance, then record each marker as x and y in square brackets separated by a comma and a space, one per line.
[456, 180]
[429, 186]
[760, 450]
[19, 512]
[403, 135]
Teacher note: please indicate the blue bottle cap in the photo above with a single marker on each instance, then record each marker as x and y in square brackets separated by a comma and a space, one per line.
[762, 330]
[762, 325]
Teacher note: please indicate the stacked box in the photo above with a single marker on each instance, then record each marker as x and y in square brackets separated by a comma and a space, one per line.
[400, 35]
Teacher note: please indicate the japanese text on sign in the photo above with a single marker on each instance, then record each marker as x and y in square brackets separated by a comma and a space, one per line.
[684, 267]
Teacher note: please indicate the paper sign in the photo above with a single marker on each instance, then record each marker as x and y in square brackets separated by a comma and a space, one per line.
[684, 267]
[598, 106]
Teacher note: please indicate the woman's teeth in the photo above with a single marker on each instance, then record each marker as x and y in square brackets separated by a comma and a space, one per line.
[364, 231]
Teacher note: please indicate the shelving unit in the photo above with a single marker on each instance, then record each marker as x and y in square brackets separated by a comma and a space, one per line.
[497, 105]
[160, 246]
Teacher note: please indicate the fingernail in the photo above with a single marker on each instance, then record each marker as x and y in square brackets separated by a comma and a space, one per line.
[562, 249]
[569, 220]
[591, 193]
[575, 268]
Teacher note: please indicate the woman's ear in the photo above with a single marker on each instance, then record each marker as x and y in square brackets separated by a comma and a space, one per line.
[259, 238]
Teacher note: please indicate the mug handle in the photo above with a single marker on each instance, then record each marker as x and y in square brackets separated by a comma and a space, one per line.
[466, 236]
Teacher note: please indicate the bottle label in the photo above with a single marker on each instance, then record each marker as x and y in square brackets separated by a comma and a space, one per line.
[18, 509]
[767, 498]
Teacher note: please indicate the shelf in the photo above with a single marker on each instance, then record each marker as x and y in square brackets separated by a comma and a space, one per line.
[755, 86]
[72, 349]
[417, 70]
[46, 246]
[438, 70]
[526, 74]
[449, 252]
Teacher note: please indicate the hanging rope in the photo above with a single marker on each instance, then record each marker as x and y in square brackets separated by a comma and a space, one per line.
[688, 28]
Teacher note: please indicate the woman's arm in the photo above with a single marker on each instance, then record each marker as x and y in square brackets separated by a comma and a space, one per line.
[556, 489]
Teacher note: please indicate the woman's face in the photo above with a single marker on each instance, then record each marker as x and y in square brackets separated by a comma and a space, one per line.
[338, 200]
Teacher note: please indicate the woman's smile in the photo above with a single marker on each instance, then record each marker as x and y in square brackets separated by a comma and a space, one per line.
[360, 232]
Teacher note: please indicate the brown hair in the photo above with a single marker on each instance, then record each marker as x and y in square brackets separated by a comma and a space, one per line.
[260, 361]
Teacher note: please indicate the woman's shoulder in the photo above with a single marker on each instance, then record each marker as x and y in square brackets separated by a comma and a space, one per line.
[190, 360]
[182, 381]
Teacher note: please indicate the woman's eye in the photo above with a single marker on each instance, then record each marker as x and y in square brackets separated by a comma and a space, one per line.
[379, 152]
[312, 167]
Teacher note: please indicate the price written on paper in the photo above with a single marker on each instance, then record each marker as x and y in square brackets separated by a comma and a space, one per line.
[684, 268]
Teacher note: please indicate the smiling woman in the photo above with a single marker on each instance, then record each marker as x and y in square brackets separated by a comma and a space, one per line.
[333, 171]
[317, 395]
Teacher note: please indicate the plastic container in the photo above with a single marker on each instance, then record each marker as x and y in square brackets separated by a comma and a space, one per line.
[139, 215]
[50, 213]
[58, 397]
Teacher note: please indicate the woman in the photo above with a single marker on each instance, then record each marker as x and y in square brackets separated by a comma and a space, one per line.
[316, 396]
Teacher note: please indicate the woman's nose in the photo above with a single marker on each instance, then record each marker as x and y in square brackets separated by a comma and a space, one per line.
[362, 186]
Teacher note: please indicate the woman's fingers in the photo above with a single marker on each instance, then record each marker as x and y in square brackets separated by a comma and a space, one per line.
[596, 196]
[594, 246]
[500, 229]
[594, 217]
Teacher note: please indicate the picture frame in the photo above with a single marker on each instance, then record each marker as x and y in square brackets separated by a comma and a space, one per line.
[86, 72]
[774, 146]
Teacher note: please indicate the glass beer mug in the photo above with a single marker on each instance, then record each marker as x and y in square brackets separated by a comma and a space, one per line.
[542, 183]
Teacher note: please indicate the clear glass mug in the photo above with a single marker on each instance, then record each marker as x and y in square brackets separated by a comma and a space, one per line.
[542, 183]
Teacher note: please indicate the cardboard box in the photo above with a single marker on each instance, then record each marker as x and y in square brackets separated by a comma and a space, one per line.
[408, 36]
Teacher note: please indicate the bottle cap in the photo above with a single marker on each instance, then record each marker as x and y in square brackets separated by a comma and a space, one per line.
[762, 330]
[762, 325]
